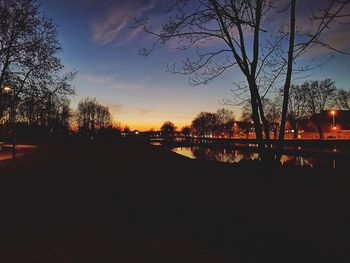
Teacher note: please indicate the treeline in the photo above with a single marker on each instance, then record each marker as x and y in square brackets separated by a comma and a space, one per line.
[306, 103]
[219, 123]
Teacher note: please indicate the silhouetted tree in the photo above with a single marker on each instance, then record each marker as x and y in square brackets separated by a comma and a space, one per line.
[205, 124]
[318, 96]
[168, 129]
[29, 62]
[92, 117]
[246, 39]
[297, 110]
[246, 112]
[226, 120]
[342, 99]
[186, 131]
[273, 115]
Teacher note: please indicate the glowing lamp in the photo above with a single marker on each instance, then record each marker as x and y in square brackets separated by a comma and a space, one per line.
[7, 89]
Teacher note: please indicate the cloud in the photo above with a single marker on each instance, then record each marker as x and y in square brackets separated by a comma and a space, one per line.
[116, 108]
[144, 112]
[115, 25]
[111, 82]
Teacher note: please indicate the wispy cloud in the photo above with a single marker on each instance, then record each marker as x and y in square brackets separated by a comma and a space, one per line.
[115, 25]
[111, 82]
[144, 111]
[116, 108]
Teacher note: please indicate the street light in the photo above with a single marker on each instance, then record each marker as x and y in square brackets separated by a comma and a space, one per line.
[333, 113]
[7, 89]
[333, 118]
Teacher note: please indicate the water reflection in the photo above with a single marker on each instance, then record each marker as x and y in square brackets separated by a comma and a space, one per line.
[234, 156]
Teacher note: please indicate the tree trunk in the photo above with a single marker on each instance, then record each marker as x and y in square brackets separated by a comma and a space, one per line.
[295, 134]
[288, 80]
[264, 153]
[319, 129]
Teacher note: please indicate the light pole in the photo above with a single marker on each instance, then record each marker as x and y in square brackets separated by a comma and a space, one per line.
[7, 89]
[333, 118]
[333, 113]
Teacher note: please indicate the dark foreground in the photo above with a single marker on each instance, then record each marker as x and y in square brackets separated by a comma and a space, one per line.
[130, 202]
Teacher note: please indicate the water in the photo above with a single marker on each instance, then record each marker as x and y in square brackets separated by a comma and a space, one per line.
[234, 156]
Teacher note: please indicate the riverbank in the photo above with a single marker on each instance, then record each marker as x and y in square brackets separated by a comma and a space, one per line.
[131, 202]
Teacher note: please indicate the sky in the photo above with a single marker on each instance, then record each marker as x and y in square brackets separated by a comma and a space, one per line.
[101, 45]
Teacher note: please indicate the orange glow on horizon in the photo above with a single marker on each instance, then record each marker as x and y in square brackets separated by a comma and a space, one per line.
[148, 125]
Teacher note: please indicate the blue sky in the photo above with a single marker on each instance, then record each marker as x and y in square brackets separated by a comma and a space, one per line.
[99, 43]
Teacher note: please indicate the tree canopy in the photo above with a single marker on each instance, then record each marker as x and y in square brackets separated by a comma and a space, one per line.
[30, 63]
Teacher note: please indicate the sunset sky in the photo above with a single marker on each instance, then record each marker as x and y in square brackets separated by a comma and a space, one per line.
[99, 43]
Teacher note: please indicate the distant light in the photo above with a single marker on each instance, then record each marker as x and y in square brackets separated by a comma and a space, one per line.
[334, 127]
[7, 88]
[235, 124]
[332, 112]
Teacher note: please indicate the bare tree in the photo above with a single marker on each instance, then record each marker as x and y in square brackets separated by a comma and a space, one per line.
[273, 116]
[246, 39]
[297, 108]
[342, 99]
[318, 96]
[272, 110]
[92, 117]
[226, 119]
[29, 50]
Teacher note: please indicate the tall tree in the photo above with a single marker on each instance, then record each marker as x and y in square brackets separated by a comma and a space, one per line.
[29, 50]
[246, 39]
[318, 96]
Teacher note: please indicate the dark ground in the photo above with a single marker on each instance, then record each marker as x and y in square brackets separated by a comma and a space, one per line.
[131, 202]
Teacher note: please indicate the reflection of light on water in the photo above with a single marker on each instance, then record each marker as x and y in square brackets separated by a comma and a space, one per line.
[156, 143]
[185, 151]
[234, 156]
[221, 155]
[298, 160]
